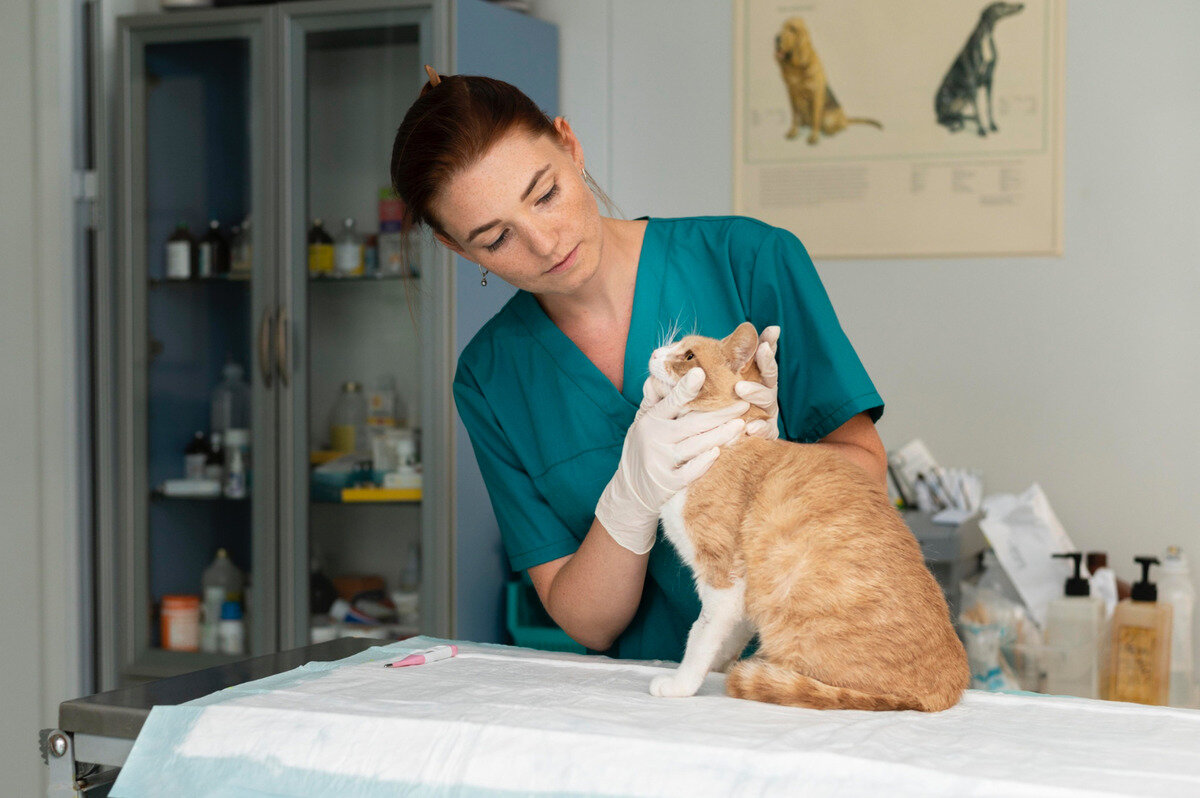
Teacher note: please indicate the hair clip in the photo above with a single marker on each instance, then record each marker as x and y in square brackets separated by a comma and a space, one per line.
[433, 76]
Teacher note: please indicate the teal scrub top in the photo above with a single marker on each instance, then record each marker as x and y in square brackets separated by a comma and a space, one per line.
[547, 426]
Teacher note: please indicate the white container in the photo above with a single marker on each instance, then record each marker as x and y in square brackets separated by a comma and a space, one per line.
[231, 632]
[1175, 588]
[237, 463]
[1074, 633]
[348, 251]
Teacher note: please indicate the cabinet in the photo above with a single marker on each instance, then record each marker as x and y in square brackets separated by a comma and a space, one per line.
[265, 118]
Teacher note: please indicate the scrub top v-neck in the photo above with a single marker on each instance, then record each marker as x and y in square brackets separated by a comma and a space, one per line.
[547, 425]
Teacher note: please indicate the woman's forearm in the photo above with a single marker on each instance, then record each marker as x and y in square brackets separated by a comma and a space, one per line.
[595, 594]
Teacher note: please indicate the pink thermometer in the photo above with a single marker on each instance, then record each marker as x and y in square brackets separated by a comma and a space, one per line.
[424, 656]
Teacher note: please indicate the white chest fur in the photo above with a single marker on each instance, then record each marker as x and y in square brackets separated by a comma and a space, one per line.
[676, 531]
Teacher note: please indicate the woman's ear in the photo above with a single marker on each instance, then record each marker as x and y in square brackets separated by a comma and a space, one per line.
[569, 141]
[449, 244]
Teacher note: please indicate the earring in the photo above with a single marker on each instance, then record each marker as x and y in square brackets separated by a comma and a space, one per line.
[483, 276]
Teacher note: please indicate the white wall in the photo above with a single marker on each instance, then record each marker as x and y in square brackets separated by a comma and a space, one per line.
[39, 603]
[1079, 372]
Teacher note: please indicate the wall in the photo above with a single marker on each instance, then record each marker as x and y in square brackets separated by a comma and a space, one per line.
[1075, 372]
[40, 662]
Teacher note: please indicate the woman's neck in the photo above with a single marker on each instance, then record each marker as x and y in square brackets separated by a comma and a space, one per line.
[608, 296]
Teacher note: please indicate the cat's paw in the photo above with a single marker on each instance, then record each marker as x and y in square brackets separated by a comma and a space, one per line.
[671, 687]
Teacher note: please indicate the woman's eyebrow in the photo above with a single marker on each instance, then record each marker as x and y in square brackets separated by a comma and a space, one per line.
[494, 222]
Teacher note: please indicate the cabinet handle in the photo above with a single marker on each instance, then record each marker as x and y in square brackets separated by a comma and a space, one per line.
[281, 348]
[264, 348]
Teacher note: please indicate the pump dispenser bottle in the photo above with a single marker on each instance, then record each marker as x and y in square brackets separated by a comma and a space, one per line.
[1140, 656]
[1074, 632]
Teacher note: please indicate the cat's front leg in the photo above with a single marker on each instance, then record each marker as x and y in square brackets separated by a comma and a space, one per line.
[721, 614]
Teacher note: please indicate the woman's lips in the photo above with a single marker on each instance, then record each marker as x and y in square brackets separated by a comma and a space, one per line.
[566, 263]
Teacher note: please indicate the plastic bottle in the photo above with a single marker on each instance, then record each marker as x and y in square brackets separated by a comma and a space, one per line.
[181, 254]
[1175, 588]
[381, 403]
[195, 457]
[221, 582]
[231, 634]
[214, 466]
[242, 262]
[1074, 630]
[347, 251]
[320, 249]
[181, 623]
[348, 422]
[391, 233]
[1140, 653]
[213, 252]
[237, 463]
[230, 406]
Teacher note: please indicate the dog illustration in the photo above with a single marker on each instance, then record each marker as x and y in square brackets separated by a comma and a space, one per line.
[813, 103]
[971, 71]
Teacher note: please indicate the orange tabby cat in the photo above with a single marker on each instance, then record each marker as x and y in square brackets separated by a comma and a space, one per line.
[802, 546]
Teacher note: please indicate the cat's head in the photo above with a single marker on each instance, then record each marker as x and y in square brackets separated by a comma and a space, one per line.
[724, 361]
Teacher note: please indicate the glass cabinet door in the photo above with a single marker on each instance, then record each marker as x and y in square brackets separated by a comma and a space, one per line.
[354, 402]
[195, 256]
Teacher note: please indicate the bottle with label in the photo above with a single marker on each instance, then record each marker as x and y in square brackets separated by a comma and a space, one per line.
[195, 457]
[181, 254]
[230, 404]
[1140, 648]
[213, 252]
[347, 251]
[1074, 630]
[348, 423]
[231, 632]
[242, 251]
[381, 403]
[320, 250]
[1175, 588]
[214, 466]
[222, 581]
[392, 260]
[237, 463]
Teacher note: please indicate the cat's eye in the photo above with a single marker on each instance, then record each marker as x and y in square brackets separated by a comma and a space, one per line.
[688, 355]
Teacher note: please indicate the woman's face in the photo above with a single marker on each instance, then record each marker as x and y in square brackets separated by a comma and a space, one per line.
[524, 213]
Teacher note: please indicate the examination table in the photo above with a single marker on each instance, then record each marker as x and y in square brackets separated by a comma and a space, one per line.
[503, 721]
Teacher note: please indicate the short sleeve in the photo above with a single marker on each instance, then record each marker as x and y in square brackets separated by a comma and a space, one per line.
[822, 382]
[530, 529]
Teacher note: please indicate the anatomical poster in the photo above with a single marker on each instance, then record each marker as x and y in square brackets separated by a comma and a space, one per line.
[901, 128]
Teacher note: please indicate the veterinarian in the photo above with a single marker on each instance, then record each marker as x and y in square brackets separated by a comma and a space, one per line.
[578, 449]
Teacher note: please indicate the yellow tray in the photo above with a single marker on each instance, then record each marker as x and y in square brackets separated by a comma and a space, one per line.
[381, 494]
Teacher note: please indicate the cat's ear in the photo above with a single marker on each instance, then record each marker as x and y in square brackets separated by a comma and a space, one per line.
[739, 346]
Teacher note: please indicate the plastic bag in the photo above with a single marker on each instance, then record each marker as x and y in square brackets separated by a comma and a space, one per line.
[1001, 640]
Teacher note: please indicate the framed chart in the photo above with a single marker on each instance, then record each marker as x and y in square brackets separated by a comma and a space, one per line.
[902, 128]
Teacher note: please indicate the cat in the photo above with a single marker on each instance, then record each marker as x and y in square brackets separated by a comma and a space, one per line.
[812, 101]
[803, 547]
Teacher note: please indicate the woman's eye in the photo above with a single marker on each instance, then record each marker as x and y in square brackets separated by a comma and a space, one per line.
[689, 355]
[545, 197]
[492, 247]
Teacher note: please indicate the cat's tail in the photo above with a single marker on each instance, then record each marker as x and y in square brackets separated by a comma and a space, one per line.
[858, 120]
[760, 680]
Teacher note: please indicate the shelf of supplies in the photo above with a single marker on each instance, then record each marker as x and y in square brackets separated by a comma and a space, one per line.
[158, 663]
[220, 279]
[357, 278]
[371, 496]
[158, 495]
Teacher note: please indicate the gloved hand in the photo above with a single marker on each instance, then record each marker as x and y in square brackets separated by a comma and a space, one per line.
[766, 393]
[665, 448]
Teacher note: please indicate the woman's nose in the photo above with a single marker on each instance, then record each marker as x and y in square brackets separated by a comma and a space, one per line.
[543, 236]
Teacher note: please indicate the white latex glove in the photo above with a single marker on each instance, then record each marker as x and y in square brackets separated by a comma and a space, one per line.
[766, 393]
[665, 448]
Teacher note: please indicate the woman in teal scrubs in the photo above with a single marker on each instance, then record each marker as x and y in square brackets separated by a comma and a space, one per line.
[549, 389]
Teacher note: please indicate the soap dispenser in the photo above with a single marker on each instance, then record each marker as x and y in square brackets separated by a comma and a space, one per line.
[1074, 633]
[1140, 656]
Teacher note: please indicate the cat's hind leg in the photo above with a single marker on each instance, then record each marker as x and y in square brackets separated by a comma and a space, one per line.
[721, 612]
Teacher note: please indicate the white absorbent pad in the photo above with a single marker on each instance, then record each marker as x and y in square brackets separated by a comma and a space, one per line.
[499, 721]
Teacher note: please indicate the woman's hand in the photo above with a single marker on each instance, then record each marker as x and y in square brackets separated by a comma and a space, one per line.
[666, 447]
[765, 394]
